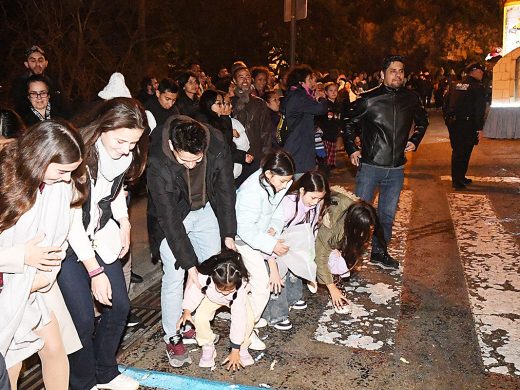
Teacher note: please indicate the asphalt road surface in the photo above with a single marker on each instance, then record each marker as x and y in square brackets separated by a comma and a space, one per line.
[448, 319]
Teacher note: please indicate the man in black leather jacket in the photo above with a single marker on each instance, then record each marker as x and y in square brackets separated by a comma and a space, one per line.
[464, 111]
[385, 116]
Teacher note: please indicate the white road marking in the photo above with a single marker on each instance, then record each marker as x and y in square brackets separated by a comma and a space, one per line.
[375, 296]
[489, 179]
[490, 258]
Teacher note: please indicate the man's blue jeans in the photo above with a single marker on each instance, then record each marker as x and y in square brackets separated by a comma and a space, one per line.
[389, 181]
[204, 234]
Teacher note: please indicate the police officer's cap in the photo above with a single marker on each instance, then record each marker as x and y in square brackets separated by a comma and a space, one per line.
[475, 66]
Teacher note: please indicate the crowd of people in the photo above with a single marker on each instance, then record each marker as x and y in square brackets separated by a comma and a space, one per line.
[238, 212]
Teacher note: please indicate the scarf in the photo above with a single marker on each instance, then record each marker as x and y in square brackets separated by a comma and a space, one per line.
[107, 166]
[40, 116]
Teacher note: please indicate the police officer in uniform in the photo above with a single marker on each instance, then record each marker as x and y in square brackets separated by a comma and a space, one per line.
[464, 110]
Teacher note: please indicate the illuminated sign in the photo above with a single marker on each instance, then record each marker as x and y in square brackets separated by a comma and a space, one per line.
[511, 37]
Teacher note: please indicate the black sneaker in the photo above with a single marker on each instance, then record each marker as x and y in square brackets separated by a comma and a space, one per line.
[466, 181]
[135, 278]
[458, 185]
[133, 320]
[283, 325]
[384, 260]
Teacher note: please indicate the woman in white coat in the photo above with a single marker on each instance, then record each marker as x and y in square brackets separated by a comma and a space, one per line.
[115, 151]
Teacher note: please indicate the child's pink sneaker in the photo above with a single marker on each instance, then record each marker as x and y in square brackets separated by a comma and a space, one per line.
[245, 357]
[209, 353]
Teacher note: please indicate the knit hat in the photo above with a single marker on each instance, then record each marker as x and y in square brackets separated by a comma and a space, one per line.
[116, 87]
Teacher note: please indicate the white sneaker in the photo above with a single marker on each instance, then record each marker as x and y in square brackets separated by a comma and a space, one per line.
[313, 287]
[94, 388]
[256, 343]
[262, 323]
[120, 382]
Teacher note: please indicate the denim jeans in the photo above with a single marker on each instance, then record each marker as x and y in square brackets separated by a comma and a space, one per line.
[204, 234]
[96, 361]
[389, 181]
[4, 377]
[278, 306]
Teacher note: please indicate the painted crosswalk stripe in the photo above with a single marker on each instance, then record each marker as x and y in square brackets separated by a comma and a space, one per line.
[489, 179]
[375, 296]
[490, 257]
[169, 381]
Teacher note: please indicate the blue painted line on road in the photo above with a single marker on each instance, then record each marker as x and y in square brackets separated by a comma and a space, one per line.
[169, 381]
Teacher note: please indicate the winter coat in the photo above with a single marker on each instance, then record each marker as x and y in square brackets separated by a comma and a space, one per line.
[385, 116]
[168, 194]
[258, 209]
[330, 233]
[256, 118]
[300, 109]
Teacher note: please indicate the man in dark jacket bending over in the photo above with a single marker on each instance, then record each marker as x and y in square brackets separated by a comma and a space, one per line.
[191, 198]
[385, 116]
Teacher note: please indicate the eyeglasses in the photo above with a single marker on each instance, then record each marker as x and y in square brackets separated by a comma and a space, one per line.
[220, 104]
[36, 95]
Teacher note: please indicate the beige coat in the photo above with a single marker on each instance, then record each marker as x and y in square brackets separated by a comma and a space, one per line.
[23, 312]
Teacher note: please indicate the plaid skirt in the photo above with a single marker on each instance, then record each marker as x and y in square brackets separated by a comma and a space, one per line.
[330, 148]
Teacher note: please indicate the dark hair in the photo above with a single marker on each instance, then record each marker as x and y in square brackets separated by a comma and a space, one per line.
[223, 83]
[279, 163]
[23, 164]
[208, 98]
[312, 181]
[298, 74]
[269, 94]
[168, 85]
[146, 81]
[188, 135]
[35, 78]
[225, 269]
[391, 58]
[114, 114]
[256, 70]
[183, 78]
[359, 217]
[11, 125]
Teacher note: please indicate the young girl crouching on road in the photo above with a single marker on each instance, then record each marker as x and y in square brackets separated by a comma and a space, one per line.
[303, 207]
[225, 283]
[342, 239]
[259, 225]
